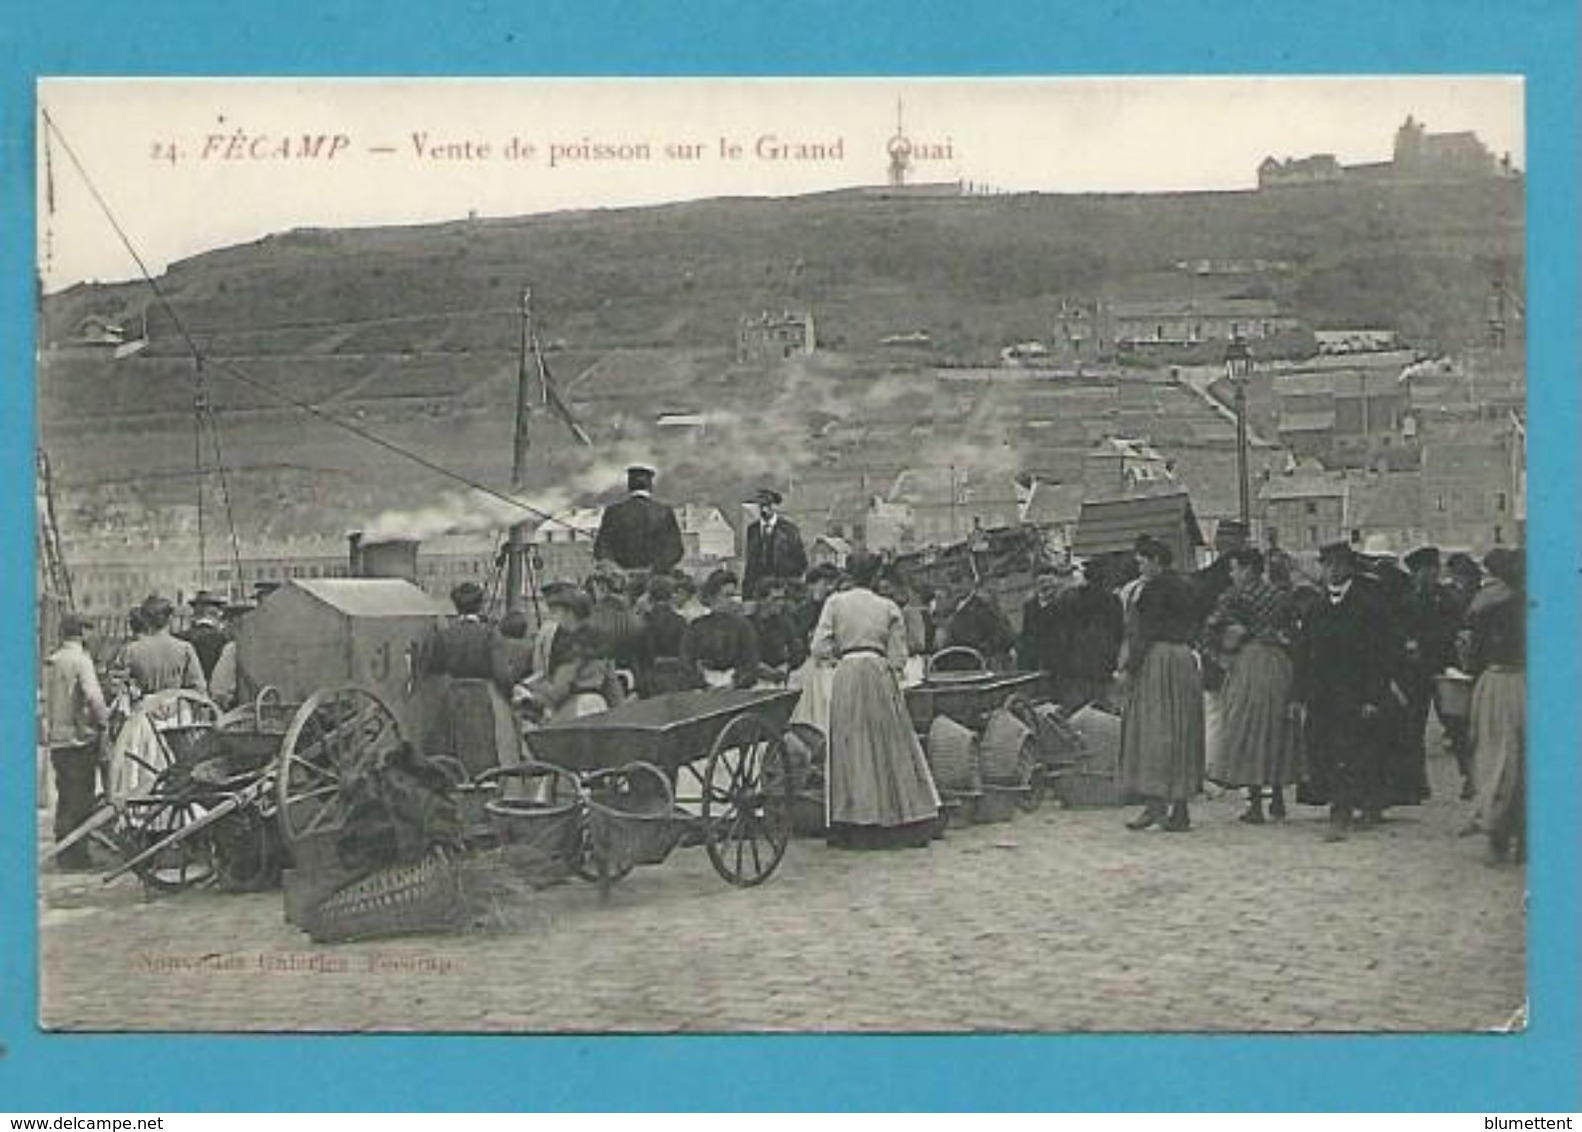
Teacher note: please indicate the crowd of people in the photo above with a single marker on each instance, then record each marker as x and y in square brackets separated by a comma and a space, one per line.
[1251, 676]
[1244, 673]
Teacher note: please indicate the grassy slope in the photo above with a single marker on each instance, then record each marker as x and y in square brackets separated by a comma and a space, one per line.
[413, 331]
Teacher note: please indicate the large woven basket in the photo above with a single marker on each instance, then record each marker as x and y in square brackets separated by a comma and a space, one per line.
[632, 817]
[400, 900]
[1058, 742]
[537, 813]
[1077, 788]
[1100, 733]
[952, 751]
[806, 748]
[999, 803]
[1007, 750]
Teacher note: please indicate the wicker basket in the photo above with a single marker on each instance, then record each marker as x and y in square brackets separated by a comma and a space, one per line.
[535, 810]
[401, 900]
[1059, 744]
[1100, 732]
[808, 751]
[999, 803]
[1007, 749]
[953, 757]
[807, 813]
[1087, 783]
[632, 817]
[960, 807]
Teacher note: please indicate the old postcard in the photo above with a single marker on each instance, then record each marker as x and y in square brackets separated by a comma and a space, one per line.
[900, 555]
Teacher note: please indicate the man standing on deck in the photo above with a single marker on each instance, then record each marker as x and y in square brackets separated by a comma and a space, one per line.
[639, 533]
[774, 545]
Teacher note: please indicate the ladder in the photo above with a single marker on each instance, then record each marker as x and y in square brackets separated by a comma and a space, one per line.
[57, 579]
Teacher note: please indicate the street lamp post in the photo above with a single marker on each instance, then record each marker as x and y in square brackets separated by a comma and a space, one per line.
[1238, 368]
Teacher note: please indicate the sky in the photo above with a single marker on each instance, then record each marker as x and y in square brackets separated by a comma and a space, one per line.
[187, 166]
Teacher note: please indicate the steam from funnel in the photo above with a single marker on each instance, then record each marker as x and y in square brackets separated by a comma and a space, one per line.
[463, 513]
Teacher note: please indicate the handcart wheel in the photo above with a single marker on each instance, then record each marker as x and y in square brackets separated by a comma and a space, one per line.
[167, 808]
[748, 793]
[181, 721]
[335, 727]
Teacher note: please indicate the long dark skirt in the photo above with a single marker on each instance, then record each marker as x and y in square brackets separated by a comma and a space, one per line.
[1162, 739]
[1257, 746]
[878, 776]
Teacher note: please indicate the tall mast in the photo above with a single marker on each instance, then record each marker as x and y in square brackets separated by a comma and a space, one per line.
[516, 551]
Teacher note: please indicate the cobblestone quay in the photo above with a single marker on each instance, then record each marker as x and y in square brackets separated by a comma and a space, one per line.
[1060, 921]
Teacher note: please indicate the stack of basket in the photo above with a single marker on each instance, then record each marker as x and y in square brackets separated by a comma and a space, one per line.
[808, 751]
[953, 760]
[632, 818]
[1008, 752]
[1091, 776]
[537, 819]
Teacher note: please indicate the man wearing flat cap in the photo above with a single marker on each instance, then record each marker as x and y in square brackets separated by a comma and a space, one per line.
[75, 716]
[1345, 659]
[774, 545]
[639, 532]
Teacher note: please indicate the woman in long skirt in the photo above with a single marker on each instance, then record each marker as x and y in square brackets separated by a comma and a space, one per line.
[1499, 704]
[1162, 740]
[1257, 748]
[880, 791]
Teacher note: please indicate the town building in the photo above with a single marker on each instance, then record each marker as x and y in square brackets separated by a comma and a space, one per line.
[775, 336]
[1474, 485]
[1121, 465]
[1185, 321]
[1317, 169]
[1305, 510]
[1418, 156]
[1352, 417]
[948, 504]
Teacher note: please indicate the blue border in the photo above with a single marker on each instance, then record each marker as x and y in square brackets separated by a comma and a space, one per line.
[1538, 1071]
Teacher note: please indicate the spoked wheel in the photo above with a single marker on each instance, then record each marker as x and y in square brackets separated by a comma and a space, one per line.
[180, 723]
[167, 809]
[335, 727]
[748, 791]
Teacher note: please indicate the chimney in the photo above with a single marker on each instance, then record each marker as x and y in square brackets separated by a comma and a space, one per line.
[354, 545]
[390, 558]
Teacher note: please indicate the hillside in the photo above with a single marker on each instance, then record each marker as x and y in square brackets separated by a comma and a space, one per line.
[412, 332]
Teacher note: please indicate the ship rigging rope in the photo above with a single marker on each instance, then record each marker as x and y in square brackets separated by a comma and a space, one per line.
[238, 375]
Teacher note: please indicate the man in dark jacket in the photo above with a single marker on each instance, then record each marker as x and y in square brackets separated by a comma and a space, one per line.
[1345, 660]
[974, 621]
[774, 545]
[1089, 629]
[639, 533]
[1429, 622]
[1038, 645]
[205, 634]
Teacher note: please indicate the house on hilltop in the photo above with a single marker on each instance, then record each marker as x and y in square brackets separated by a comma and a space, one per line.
[1318, 169]
[775, 336]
